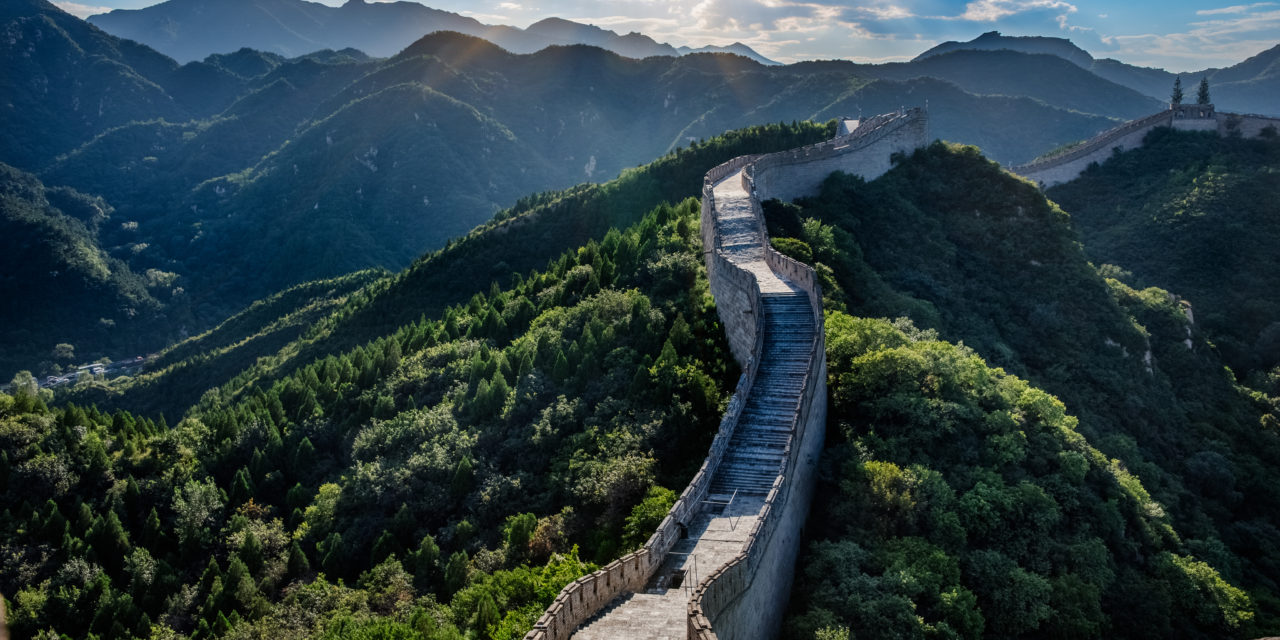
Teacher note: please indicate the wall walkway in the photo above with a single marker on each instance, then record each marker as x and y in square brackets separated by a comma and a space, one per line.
[1068, 165]
[721, 562]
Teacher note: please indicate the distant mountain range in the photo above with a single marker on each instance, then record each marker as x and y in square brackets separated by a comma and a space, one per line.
[246, 172]
[188, 30]
[1253, 86]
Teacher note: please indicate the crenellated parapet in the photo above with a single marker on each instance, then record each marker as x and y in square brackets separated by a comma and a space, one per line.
[1066, 166]
[721, 562]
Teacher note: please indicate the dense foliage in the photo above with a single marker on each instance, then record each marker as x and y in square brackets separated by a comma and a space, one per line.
[272, 338]
[965, 504]
[1194, 213]
[982, 258]
[435, 482]
[63, 288]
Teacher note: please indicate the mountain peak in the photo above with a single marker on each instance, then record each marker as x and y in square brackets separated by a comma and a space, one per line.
[994, 40]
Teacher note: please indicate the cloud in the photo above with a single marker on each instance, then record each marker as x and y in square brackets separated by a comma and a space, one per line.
[1239, 8]
[1224, 41]
[993, 10]
[80, 10]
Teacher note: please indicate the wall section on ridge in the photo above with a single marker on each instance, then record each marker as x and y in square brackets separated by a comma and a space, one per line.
[749, 594]
[1067, 166]
[747, 597]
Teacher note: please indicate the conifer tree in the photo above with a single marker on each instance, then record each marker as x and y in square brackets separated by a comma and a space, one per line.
[298, 563]
[1175, 98]
[1202, 94]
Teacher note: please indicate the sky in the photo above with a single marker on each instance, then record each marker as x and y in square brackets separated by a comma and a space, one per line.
[1178, 35]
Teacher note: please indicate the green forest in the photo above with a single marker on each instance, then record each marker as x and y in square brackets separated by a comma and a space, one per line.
[443, 481]
[1020, 443]
[1193, 213]
[1032, 448]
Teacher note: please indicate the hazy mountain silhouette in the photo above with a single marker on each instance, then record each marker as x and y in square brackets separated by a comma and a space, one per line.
[1252, 86]
[193, 29]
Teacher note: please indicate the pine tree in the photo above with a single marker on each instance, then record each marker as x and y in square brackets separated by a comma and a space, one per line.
[251, 553]
[1202, 94]
[486, 615]
[241, 487]
[304, 457]
[298, 563]
[1175, 98]
[461, 484]
[384, 547]
[455, 573]
[560, 370]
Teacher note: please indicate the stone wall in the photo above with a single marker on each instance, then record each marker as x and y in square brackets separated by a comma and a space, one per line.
[1067, 166]
[585, 596]
[1247, 125]
[866, 152]
[750, 594]
[747, 597]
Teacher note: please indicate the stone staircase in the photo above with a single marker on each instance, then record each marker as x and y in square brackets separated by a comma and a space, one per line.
[759, 443]
[756, 451]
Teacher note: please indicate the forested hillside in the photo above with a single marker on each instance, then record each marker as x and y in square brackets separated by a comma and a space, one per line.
[1195, 214]
[63, 288]
[969, 501]
[444, 479]
[276, 335]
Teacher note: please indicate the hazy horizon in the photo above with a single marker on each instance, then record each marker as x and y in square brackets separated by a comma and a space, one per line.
[1178, 35]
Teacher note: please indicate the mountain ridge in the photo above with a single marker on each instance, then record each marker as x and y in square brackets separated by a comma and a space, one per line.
[1250, 86]
[188, 30]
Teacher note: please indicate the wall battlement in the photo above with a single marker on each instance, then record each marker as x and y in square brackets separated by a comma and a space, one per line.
[744, 596]
[1066, 166]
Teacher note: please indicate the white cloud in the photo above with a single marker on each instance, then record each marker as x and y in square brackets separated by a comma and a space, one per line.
[510, 6]
[80, 10]
[992, 10]
[1239, 8]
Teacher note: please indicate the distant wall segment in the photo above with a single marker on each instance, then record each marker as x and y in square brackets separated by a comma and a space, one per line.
[1068, 165]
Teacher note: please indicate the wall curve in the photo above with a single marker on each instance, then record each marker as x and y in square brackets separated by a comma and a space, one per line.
[748, 593]
[747, 597]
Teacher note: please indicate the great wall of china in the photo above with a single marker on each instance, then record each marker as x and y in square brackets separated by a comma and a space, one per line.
[721, 562]
[1065, 166]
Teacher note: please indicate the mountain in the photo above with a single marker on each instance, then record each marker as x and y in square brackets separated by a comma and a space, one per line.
[61, 70]
[1027, 430]
[246, 348]
[441, 439]
[325, 164]
[557, 31]
[1252, 86]
[269, 171]
[1193, 214]
[995, 41]
[191, 30]
[736, 48]
[404, 475]
[1046, 77]
[63, 287]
